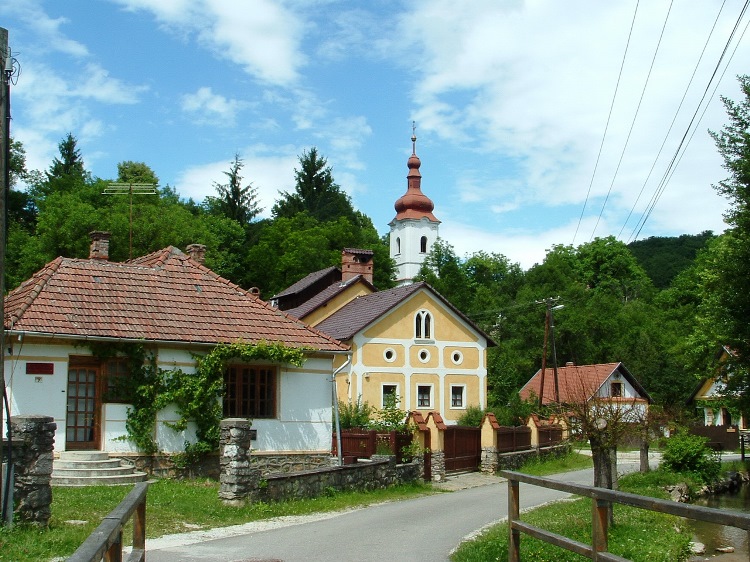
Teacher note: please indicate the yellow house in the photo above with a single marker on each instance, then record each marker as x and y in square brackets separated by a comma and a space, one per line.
[409, 341]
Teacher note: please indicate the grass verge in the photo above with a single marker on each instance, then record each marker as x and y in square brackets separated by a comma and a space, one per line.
[572, 461]
[172, 506]
[637, 534]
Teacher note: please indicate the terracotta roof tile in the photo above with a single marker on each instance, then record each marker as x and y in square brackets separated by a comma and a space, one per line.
[164, 296]
[576, 382]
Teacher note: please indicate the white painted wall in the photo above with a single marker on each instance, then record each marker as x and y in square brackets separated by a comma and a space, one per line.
[409, 259]
[304, 408]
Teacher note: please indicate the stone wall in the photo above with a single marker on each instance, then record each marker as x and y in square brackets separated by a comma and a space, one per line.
[364, 475]
[33, 467]
[514, 461]
[242, 478]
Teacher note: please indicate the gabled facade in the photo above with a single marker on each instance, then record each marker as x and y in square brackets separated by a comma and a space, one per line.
[408, 341]
[576, 384]
[709, 397]
[176, 308]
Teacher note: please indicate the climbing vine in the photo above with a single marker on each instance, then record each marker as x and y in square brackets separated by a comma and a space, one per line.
[196, 395]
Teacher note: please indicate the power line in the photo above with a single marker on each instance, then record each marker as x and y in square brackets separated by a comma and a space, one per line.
[674, 119]
[635, 117]
[682, 147]
[606, 127]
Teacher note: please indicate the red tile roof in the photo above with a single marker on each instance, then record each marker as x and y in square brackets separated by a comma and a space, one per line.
[164, 296]
[576, 383]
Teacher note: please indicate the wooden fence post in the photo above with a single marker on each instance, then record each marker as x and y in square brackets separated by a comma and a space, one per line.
[514, 535]
[599, 524]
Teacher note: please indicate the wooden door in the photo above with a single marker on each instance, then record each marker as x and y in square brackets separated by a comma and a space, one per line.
[84, 407]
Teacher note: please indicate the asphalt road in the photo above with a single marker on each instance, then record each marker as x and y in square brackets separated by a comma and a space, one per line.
[425, 528]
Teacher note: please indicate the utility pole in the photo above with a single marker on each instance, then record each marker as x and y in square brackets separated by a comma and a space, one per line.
[125, 188]
[6, 70]
[549, 333]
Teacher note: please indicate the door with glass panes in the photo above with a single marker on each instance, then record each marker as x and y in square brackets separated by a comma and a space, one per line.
[84, 407]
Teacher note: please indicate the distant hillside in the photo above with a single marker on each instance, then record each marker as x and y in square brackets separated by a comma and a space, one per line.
[663, 257]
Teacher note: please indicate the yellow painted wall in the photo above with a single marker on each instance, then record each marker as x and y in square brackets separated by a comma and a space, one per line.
[400, 323]
[415, 354]
[470, 357]
[373, 354]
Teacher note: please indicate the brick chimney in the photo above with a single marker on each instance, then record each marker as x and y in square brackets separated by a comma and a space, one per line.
[99, 245]
[356, 262]
[197, 252]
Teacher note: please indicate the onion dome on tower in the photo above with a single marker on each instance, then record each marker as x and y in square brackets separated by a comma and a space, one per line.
[414, 229]
[414, 204]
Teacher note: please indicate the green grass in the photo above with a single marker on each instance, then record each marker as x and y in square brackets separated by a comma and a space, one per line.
[172, 506]
[573, 461]
[637, 534]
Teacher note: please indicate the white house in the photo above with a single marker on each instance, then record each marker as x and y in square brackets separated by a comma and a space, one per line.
[176, 308]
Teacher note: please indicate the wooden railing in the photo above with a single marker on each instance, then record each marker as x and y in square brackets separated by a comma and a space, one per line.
[601, 498]
[105, 543]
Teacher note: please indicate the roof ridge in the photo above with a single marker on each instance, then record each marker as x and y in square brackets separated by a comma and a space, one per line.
[43, 276]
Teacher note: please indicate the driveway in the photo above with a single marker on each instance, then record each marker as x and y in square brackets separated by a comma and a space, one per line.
[426, 528]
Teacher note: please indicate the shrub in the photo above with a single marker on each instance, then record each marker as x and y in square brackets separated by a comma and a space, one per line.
[472, 417]
[390, 417]
[516, 412]
[355, 415]
[688, 453]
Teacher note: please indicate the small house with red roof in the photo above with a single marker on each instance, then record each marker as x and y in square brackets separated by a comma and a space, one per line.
[577, 384]
[178, 309]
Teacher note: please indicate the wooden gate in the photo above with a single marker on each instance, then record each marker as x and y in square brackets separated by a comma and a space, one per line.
[463, 448]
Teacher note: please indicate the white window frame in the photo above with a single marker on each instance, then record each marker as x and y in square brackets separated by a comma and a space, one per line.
[430, 396]
[463, 397]
[394, 355]
[425, 353]
[459, 360]
[424, 325]
[382, 392]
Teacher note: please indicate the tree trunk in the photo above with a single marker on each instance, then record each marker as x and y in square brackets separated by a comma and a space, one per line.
[644, 456]
[605, 469]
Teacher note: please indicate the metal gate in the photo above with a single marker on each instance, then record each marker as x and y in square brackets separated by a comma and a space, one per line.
[463, 448]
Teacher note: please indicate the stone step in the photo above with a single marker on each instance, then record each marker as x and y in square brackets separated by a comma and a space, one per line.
[93, 471]
[84, 456]
[86, 465]
[121, 480]
[93, 468]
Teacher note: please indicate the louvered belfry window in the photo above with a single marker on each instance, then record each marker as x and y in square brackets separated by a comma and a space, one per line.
[250, 391]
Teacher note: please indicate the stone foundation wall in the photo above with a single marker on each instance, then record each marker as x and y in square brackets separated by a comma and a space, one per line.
[488, 463]
[513, 461]
[33, 467]
[242, 478]
[314, 483]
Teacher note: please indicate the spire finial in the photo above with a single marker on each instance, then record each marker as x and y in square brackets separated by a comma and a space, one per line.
[413, 137]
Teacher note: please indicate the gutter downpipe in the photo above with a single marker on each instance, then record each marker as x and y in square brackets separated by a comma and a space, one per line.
[336, 406]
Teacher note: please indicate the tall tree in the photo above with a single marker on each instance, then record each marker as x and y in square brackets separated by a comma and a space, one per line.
[315, 192]
[136, 172]
[725, 306]
[70, 162]
[234, 201]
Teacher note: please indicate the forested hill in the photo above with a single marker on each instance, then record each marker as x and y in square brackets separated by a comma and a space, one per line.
[663, 257]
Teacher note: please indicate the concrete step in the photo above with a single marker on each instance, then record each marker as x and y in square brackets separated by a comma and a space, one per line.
[93, 468]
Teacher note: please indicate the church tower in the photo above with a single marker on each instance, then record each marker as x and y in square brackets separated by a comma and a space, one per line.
[414, 229]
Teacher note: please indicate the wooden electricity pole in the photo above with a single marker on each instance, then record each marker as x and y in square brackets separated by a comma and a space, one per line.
[6, 69]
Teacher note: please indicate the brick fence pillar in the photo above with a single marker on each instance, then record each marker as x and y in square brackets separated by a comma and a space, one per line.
[33, 470]
[239, 481]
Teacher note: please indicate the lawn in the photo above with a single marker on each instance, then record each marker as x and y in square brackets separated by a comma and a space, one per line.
[172, 506]
[638, 535]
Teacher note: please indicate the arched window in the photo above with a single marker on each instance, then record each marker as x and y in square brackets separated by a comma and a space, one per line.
[423, 244]
[423, 325]
[398, 245]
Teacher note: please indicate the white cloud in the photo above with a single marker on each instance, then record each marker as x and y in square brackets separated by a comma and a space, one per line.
[208, 107]
[32, 14]
[262, 36]
[269, 174]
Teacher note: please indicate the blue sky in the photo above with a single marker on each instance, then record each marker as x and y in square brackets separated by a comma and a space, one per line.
[511, 99]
